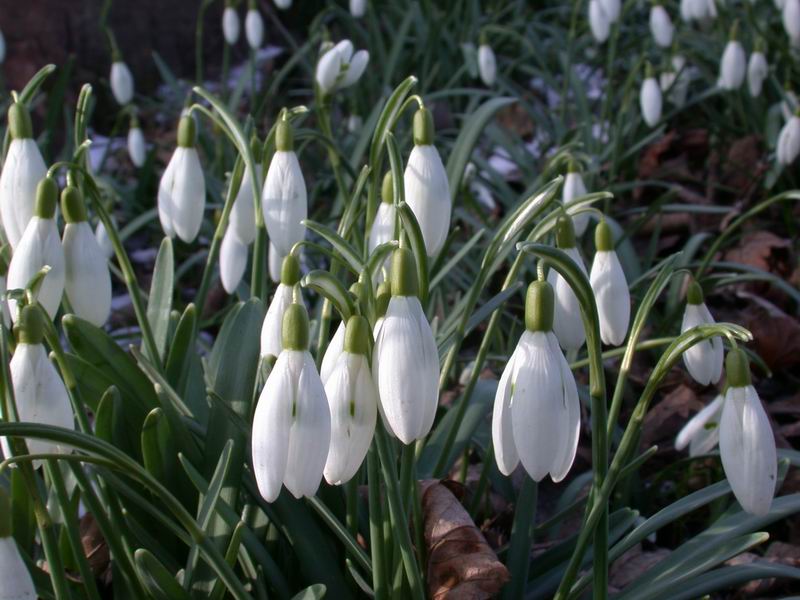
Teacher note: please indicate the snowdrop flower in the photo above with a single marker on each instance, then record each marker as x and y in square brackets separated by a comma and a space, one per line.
[332, 353]
[789, 140]
[612, 9]
[568, 324]
[39, 393]
[610, 288]
[232, 261]
[599, 22]
[271, 337]
[733, 65]
[121, 81]
[17, 581]
[353, 403]
[661, 26]
[182, 191]
[698, 10]
[791, 20]
[23, 170]
[230, 24]
[358, 8]
[274, 260]
[746, 441]
[382, 230]
[254, 26]
[292, 423]
[703, 360]
[701, 432]
[354, 123]
[487, 64]
[574, 187]
[283, 4]
[405, 362]
[87, 281]
[339, 67]
[242, 222]
[284, 200]
[650, 99]
[5, 259]
[757, 71]
[426, 187]
[40, 246]
[137, 149]
[536, 417]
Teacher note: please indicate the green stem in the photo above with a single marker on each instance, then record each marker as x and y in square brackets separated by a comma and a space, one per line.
[376, 541]
[519, 552]
[198, 41]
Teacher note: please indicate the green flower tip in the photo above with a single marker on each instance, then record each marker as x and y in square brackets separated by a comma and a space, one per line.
[252, 5]
[19, 122]
[5, 514]
[290, 270]
[72, 205]
[423, 127]
[483, 39]
[294, 330]
[404, 273]
[387, 189]
[694, 294]
[187, 132]
[573, 166]
[734, 34]
[134, 120]
[46, 198]
[649, 71]
[356, 335]
[565, 232]
[5, 259]
[761, 45]
[603, 238]
[539, 307]
[284, 136]
[382, 296]
[737, 368]
[359, 292]
[30, 326]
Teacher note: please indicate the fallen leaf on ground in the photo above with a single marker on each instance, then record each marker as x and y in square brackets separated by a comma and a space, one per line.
[461, 565]
[776, 335]
[667, 417]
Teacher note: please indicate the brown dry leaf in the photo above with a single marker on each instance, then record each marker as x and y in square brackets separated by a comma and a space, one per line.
[461, 565]
[763, 250]
[668, 416]
[776, 335]
[633, 563]
[95, 547]
[744, 168]
[671, 158]
[515, 118]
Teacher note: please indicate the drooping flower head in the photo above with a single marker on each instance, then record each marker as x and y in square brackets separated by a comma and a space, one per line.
[733, 64]
[661, 25]
[137, 148]
[568, 323]
[121, 81]
[271, 330]
[254, 26]
[650, 99]
[788, 146]
[703, 360]
[230, 23]
[17, 581]
[574, 187]
[340, 67]
[536, 417]
[292, 423]
[757, 69]
[487, 63]
[610, 288]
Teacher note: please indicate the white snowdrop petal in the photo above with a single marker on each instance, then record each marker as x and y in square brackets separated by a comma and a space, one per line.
[232, 261]
[757, 71]
[571, 428]
[791, 20]
[567, 322]
[271, 425]
[703, 360]
[428, 195]
[243, 216]
[188, 194]
[230, 25]
[358, 8]
[275, 261]
[574, 187]
[273, 321]
[87, 281]
[121, 83]
[22, 171]
[310, 434]
[747, 449]
[137, 149]
[17, 581]
[598, 21]
[332, 352]
[284, 201]
[254, 28]
[650, 101]
[356, 68]
[612, 9]
[661, 26]
[733, 66]
[612, 295]
[487, 64]
[165, 197]
[328, 68]
[505, 450]
[698, 424]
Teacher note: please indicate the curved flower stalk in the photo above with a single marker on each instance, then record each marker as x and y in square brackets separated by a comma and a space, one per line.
[182, 190]
[746, 441]
[733, 64]
[353, 402]
[17, 581]
[574, 187]
[661, 26]
[121, 80]
[87, 281]
[231, 25]
[358, 8]
[427, 190]
[757, 70]
[292, 423]
[536, 417]
[284, 200]
[405, 361]
[271, 329]
[487, 63]
[701, 432]
[791, 20]
[22, 171]
[610, 288]
[137, 148]
[599, 22]
[650, 100]
[704, 360]
[567, 324]
[789, 141]
[340, 67]
[254, 26]
[383, 227]
[39, 393]
[40, 246]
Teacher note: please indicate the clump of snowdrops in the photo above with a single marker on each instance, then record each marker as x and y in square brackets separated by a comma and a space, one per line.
[234, 464]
